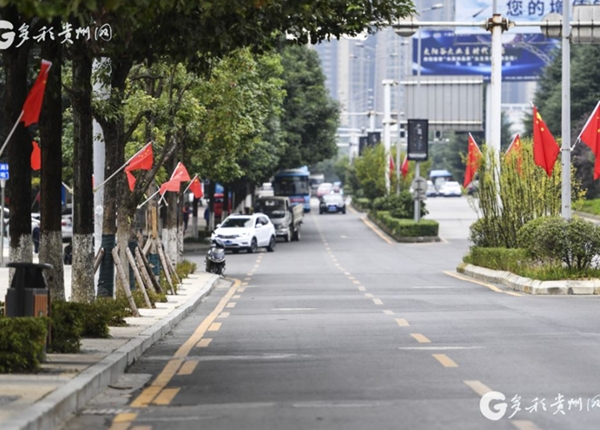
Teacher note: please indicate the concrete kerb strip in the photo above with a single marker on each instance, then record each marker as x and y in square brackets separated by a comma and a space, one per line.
[531, 286]
[53, 409]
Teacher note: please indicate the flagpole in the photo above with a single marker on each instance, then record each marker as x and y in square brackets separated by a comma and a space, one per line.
[11, 132]
[120, 168]
[190, 184]
[148, 199]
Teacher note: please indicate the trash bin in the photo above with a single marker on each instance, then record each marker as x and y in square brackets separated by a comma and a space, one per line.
[28, 294]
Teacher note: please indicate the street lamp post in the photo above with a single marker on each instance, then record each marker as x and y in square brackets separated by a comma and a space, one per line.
[418, 103]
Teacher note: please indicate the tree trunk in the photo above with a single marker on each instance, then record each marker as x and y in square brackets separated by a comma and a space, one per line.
[51, 246]
[83, 199]
[18, 149]
[113, 129]
[169, 233]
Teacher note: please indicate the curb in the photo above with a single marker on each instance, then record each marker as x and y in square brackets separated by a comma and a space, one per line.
[531, 286]
[51, 411]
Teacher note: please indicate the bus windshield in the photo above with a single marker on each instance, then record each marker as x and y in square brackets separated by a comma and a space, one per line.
[291, 185]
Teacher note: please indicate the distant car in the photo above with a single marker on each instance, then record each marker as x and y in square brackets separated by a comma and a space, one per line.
[451, 189]
[431, 190]
[324, 188]
[332, 203]
[248, 232]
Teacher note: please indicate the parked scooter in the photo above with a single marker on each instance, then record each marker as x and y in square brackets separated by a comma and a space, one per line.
[215, 259]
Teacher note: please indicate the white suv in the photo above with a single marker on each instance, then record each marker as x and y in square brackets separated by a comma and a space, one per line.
[248, 232]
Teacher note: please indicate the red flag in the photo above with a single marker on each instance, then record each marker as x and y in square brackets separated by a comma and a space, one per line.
[473, 160]
[180, 174]
[196, 188]
[141, 161]
[33, 102]
[36, 156]
[392, 167]
[514, 150]
[545, 148]
[404, 168]
[590, 135]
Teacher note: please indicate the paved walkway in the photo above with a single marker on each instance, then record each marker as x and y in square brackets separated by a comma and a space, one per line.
[42, 401]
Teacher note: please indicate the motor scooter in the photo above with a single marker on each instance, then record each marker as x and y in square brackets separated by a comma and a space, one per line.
[215, 259]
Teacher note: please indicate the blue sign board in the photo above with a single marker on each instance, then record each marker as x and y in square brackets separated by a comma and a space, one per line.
[4, 171]
[514, 10]
[524, 55]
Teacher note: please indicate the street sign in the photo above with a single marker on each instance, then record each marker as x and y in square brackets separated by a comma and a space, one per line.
[418, 139]
[4, 171]
[419, 188]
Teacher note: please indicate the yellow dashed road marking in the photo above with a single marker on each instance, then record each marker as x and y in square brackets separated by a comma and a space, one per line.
[120, 426]
[420, 338]
[172, 367]
[141, 428]
[524, 425]
[478, 387]
[230, 305]
[166, 396]
[187, 368]
[244, 284]
[237, 296]
[125, 418]
[204, 342]
[224, 315]
[247, 279]
[490, 286]
[402, 322]
[445, 360]
[214, 327]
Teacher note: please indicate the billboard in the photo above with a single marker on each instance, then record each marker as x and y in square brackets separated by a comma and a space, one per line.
[524, 55]
[514, 10]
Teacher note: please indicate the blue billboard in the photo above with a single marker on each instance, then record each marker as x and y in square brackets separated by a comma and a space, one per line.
[524, 55]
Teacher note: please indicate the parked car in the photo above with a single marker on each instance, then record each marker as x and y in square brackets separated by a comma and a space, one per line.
[431, 190]
[332, 203]
[248, 232]
[324, 188]
[451, 189]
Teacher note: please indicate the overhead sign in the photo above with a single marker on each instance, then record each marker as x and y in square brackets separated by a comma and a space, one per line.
[514, 10]
[524, 55]
[3, 171]
[417, 147]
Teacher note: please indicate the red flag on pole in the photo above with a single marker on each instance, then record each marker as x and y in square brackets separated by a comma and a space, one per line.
[590, 135]
[141, 161]
[33, 102]
[196, 188]
[404, 168]
[36, 156]
[180, 174]
[392, 167]
[514, 150]
[545, 148]
[473, 160]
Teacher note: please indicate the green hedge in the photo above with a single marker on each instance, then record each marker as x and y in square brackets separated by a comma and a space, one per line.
[22, 342]
[362, 204]
[405, 230]
[509, 259]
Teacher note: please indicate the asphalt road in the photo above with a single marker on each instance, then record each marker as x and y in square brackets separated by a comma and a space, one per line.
[346, 330]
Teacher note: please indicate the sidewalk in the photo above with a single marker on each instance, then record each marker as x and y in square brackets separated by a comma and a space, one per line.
[67, 382]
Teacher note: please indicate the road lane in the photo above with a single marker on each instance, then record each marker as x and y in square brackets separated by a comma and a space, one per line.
[344, 330]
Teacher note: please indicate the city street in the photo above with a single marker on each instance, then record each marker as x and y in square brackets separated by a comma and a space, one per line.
[348, 330]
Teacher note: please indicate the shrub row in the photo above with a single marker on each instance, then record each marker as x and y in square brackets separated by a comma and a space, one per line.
[22, 342]
[508, 259]
[405, 230]
[361, 203]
